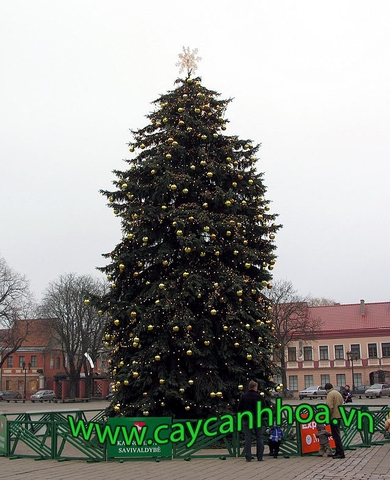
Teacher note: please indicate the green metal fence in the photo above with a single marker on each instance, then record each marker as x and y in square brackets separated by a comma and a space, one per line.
[47, 435]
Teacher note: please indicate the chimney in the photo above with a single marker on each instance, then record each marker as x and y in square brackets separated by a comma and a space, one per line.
[362, 308]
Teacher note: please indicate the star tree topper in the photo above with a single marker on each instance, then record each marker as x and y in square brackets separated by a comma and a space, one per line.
[188, 60]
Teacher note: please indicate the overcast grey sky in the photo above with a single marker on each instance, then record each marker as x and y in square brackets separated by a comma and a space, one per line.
[310, 81]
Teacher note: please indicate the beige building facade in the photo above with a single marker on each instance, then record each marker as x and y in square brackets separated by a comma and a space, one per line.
[352, 347]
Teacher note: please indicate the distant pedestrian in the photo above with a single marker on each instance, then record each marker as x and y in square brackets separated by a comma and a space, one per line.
[323, 437]
[334, 400]
[249, 403]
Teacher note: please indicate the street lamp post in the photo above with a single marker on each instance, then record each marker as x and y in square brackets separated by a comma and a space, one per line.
[351, 357]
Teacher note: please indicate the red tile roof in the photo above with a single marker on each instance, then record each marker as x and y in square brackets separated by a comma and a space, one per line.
[373, 317]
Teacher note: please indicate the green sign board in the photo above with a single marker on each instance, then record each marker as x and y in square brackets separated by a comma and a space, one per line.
[3, 435]
[139, 437]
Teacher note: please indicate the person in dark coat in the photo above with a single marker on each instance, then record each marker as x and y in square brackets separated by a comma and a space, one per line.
[249, 403]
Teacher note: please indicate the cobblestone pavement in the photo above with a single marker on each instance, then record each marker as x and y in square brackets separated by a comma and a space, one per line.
[363, 463]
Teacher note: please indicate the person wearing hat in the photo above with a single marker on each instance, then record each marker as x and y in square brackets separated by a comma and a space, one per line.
[334, 400]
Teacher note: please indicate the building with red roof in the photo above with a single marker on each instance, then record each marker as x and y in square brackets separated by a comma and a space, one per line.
[350, 347]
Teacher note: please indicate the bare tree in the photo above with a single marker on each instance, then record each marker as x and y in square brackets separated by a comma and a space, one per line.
[79, 328]
[320, 301]
[16, 303]
[292, 319]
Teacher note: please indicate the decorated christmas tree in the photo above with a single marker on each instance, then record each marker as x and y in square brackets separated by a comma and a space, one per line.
[189, 319]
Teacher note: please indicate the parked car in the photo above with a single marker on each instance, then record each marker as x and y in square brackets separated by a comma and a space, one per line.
[377, 390]
[42, 395]
[275, 394]
[8, 395]
[360, 389]
[312, 392]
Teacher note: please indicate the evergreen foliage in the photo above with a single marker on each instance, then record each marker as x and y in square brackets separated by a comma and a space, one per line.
[189, 319]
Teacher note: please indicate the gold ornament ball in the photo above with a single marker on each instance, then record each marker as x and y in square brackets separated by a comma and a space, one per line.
[136, 339]
[179, 233]
[212, 395]
[192, 167]
[165, 263]
[162, 381]
[203, 163]
[153, 172]
[190, 382]
[205, 205]
[236, 344]
[213, 311]
[135, 374]
[204, 137]
[146, 413]
[86, 301]
[173, 187]
[228, 203]
[162, 404]
[225, 328]
[187, 407]
[197, 110]
[145, 239]
[271, 236]
[202, 254]
[185, 274]
[189, 352]
[236, 252]
[157, 358]
[125, 382]
[249, 356]
[219, 394]
[241, 387]
[161, 286]
[228, 233]
[133, 314]
[175, 328]
[181, 390]
[187, 249]
[170, 140]
[189, 327]
[234, 184]
[150, 327]
[121, 363]
[247, 326]
[239, 293]
[145, 394]
[207, 343]
[116, 322]
[117, 408]
[185, 191]
[210, 174]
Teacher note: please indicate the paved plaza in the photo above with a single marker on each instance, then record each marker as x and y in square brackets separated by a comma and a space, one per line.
[363, 463]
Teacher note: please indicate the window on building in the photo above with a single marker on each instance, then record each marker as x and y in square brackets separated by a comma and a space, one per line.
[307, 354]
[358, 379]
[277, 355]
[292, 354]
[278, 379]
[33, 361]
[308, 379]
[324, 353]
[386, 349]
[21, 361]
[372, 350]
[339, 352]
[10, 362]
[58, 362]
[325, 378]
[355, 349]
[340, 379]
[293, 382]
